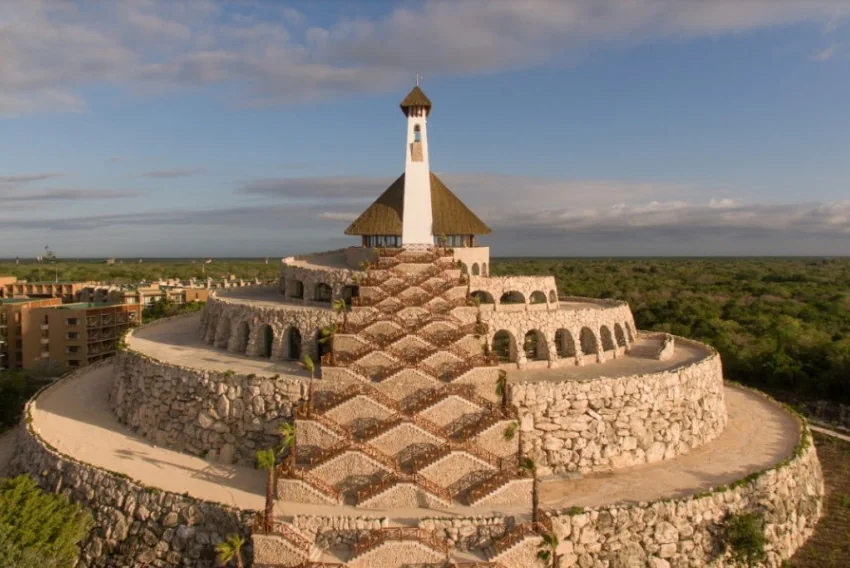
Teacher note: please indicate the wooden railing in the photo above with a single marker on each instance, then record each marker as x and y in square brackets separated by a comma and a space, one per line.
[380, 536]
[281, 529]
[518, 533]
[387, 483]
[285, 471]
[489, 485]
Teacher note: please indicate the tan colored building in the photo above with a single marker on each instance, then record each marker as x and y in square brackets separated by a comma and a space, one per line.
[45, 332]
[16, 326]
[11, 287]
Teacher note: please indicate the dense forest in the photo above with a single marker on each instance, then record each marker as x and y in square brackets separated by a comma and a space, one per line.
[129, 272]
[781, 324]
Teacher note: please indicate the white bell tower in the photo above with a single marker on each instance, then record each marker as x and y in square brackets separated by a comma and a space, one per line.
[417, 222]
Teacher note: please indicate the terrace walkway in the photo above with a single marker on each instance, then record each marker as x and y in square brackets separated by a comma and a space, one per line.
[74, 416]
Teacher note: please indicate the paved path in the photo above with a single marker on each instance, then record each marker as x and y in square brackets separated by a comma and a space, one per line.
[178, 342]
[75, 417]
[8, 445]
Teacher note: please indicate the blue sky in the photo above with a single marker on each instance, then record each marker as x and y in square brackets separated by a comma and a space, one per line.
[650, 127]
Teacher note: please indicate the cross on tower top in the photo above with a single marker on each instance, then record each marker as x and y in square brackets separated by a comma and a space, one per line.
[418, 76]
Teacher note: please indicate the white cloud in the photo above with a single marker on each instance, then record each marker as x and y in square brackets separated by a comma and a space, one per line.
[824, 54]
[263, 53]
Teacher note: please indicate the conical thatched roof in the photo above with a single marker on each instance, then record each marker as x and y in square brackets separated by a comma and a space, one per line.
[416, 98]
[451, 216]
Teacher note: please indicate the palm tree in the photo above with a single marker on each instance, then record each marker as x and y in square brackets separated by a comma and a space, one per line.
[548, 553]
[231, 549]
[340, 307]
[287, 438]
[266, 460]
[502, 388]
[327, 334]
[308, 364]
[527, 465]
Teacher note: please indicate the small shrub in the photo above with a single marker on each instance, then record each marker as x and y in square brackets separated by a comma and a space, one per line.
[574, 510]
[744, 536]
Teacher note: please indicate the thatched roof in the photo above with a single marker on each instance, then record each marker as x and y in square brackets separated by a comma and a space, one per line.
[451, 216]
[416, 98]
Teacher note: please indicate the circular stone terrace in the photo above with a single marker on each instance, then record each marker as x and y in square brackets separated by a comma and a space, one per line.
[76, 419]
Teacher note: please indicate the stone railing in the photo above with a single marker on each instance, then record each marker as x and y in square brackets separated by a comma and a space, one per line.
[139, 525]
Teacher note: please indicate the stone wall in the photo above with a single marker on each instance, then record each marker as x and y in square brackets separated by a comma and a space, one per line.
[135, 526]
[222, 416]
[240, 326]
[605, 423]
[496, 286]
[689, 531]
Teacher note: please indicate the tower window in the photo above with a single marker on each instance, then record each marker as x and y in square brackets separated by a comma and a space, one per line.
[417, 134]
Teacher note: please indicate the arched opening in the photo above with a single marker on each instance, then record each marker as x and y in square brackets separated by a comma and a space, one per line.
[417, 134]
[503, 346]
[553, 297]
[222, 333]
[512, 297]
[350, 291]
[607, 338]
[242, 335]
[296, 289]
[565, 345]
[630, 333]
[476, 270]
[620, 336]
[588, 341]
[267, 340]
[484, 269]
[537, 297]
[483, 296]
[323, 345]
[293, 344]
[534, 346]
[323, 293]
[464, 269]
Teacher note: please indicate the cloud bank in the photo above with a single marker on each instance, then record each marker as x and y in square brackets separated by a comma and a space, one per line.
[259, 54]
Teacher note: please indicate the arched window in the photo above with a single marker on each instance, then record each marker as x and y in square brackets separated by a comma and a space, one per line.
[537, 297]
[483, 297]
[618, 333]
[534, 345]
[242, 335]
[350, 291]
[588, 341]
[476, 270]
[512, 297]
[293, 341]
[503, 346]
[296, 289]
[417, 134]
[553, 297]
[323, 293]
[267, 338]
[607, 338]
[484, 269]
[464, 269]
[565, 345]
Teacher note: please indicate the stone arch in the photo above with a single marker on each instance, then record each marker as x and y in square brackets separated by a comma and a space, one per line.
[350, 291]
[537, 297]
[464, 269]
[606, 338]
[322, 292]
[619, 335]
[322, 347]
[476, 270]
[565, 344]
[296, 289]
[512, 297]
[222, 332]
[293, 343]
[243, 333]
[589, 345]
[484, 297]
[484, 269]
[534, 346]
[553, 297]
[266, 341]
[504, 346]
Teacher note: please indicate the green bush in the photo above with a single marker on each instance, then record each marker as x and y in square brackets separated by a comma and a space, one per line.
[745, 537]
[16, 388]
[38, 529]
